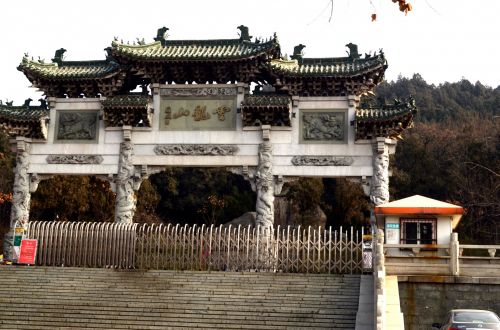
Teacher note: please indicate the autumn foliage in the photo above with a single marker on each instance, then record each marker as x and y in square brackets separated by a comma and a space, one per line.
[5, 197]
[404, 7]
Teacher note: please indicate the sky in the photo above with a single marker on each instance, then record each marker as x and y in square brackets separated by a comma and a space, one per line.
[443, 40]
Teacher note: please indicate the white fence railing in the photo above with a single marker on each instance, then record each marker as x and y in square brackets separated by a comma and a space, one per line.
[194, 247]
[442, 259]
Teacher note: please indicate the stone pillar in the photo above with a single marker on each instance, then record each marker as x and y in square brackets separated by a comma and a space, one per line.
[21, 196]
[264, 182]
[126, 201]
[379, 186]
[454, 255]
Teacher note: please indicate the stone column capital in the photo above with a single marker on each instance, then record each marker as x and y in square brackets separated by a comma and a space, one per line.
[127, 133]
[266, 132]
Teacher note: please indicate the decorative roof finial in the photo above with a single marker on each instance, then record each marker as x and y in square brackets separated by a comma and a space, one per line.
[161, 35]
[27, 103]
[297, 52]
[58, 56]
[43, 103]
[109, 52]
[353, 51]
[244, 34]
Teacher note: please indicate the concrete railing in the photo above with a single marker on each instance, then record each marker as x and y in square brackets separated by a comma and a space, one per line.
[437, 259]
[379, 280]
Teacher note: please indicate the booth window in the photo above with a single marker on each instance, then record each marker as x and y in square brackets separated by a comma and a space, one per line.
[418, 231]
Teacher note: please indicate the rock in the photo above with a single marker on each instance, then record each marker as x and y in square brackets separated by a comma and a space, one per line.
[247, 219]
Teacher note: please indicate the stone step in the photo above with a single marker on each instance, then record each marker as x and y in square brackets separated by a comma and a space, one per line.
[319, 311]
[79, 298]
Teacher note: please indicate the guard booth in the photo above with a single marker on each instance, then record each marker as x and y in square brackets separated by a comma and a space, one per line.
[417, 220]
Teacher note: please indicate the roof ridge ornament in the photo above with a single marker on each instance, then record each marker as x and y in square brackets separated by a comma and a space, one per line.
[353, 51]
[298, 53]
[161, 35]
[59, 56]
[244, 33]
[27, 103]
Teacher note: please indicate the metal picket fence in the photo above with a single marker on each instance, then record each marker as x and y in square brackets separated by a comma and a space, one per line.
[184, 247]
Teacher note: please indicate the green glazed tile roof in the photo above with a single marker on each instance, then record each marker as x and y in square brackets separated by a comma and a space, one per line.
[332, 67]
[178, 50]
[126, 101]
[385, 120]
[24, 121]
[22, 113]
[270, 109]
[266, 100]
[69, 69]
[386, 111]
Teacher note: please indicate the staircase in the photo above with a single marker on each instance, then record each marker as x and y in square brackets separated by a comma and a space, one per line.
[83, 298]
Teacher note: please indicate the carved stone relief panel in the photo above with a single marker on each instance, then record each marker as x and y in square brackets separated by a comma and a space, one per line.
[326, 126]
[77, 126]
[196, 149]
[74, 159]
[322, 161]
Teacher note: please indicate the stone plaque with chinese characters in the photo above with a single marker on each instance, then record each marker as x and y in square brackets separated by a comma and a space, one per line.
[198, 113]
[77, 126]
[323, 126]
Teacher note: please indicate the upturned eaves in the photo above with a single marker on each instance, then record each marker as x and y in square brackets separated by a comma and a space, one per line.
[197, 50]
[69, 70]
[329, 67]
[23, 113]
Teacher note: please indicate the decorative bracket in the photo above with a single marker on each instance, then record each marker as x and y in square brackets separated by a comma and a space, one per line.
[365, 184]
[279, 182]
[143, 172]
[35, 180]
[248, 173]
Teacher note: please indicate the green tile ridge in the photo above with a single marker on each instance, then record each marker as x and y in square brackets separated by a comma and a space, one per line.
[22, 113]
[386, 111]
[69, 69]
[196, 49]
[140, 101]
[335, 66]
[266, 100]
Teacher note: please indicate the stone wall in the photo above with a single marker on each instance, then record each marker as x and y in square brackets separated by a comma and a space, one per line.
[426, 300]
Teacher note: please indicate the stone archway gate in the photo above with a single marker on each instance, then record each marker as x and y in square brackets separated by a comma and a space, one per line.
[304, 118]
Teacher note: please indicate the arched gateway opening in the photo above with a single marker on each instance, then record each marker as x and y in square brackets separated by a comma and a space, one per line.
[303, 119]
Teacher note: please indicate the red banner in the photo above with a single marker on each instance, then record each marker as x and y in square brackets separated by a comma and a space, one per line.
[28, 251]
